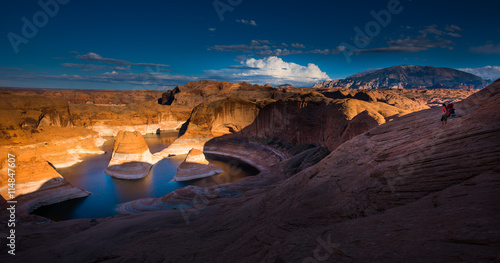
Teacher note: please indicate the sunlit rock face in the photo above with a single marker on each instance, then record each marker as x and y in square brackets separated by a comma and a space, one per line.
[222, 117]
[26, 114]
[145, 118]
[37, 183]
[131, 157]
[195, 166]
[209, 120]
[45, 126]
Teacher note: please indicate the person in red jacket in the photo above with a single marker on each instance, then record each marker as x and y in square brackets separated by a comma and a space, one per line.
[444, 117]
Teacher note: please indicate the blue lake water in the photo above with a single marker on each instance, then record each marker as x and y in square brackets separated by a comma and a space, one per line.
[107, 192]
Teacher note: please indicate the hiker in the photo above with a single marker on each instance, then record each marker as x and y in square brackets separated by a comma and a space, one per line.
[451, 110]
[444, 117]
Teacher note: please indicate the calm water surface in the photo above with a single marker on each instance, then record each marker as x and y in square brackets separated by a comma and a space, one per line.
[107, 192]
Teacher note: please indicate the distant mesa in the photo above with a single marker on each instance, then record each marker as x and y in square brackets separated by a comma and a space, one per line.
[195, 166]
[409, 77]
[131, 157]
[285, 86]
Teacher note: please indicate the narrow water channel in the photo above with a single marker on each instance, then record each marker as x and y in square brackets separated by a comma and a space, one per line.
[108, 192]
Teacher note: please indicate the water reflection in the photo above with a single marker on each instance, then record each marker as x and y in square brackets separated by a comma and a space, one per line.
[108, 192]
[233, 170]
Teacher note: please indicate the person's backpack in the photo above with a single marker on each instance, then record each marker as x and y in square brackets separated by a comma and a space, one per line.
[449, 109]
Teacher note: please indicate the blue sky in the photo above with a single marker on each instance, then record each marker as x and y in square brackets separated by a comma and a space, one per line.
[161, 44]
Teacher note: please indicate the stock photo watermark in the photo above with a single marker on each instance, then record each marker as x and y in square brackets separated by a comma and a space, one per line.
[151, 80]
[31, 27]
[323, 251]
[11, 204]
[222, 7]
[372, 29]
[201, 201]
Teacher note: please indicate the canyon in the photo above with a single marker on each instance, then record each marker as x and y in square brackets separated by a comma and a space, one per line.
[363, 175]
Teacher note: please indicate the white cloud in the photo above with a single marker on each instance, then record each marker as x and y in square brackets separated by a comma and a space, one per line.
[409, 45]
[92, 67]
[332, 51]
[212, 29]
[487, 72]
[452, 28]
[236, 48]
[449, 30]
[260, 41]
[247, 22]
[272, 70]
[93, 57]
[297, 45]
[277, 52]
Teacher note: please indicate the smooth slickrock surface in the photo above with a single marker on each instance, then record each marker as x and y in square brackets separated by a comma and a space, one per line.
[264, 158]
[36, 182]
[195, 166]
[131, 157]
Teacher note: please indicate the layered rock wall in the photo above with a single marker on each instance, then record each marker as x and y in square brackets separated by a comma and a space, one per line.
[131, 157]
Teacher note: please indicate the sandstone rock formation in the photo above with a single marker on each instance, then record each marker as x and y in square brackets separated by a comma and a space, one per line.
[261, 157]
[145, 117]
[313, 118]
[30, 112]
[195, 166]
[36, 182]
[34, 122]
[96, 97]
[209, 120]
[195, 93]
[131, 157]
[105, 112]
[409, 190]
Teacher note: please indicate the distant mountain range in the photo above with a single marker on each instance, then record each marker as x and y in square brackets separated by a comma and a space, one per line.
[285, 86]
[409, 77]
